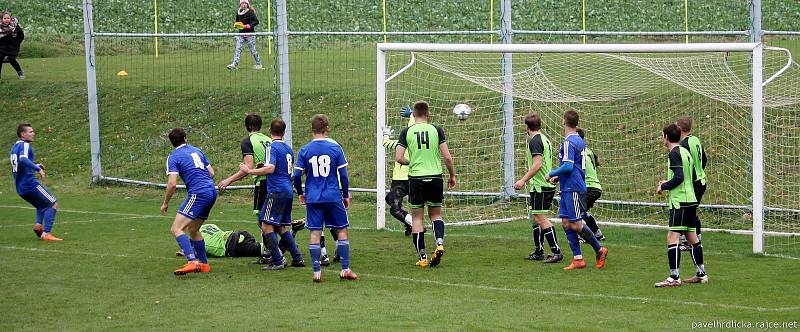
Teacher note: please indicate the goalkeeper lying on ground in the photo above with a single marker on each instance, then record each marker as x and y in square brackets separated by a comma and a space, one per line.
[221, 243]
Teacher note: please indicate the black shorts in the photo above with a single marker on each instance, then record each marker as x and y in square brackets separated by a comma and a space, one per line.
[592, 195]
[242, 244]
[540, 202]
[683, 219]
[699, 190]
[259, 196]
[425, 191]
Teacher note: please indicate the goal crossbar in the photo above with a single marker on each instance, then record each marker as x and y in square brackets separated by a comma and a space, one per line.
[569, 48]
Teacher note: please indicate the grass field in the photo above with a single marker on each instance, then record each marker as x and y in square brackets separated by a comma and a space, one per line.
[113, 271]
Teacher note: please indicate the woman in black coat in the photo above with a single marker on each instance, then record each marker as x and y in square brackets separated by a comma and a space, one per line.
[246, 22]
[11, 37]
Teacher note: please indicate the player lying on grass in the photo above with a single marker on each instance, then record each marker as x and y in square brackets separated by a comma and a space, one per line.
[221, 243]
[24, 170]
[682, 209]
[191, 165]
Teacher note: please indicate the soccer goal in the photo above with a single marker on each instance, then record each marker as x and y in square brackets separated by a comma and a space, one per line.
[744, 100]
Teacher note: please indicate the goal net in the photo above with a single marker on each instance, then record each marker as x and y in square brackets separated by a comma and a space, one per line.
[625, 95]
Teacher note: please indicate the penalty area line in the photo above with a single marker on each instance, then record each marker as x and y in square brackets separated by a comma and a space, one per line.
[568, 294]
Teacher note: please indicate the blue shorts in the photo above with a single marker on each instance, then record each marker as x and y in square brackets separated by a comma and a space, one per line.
[572, 206]
[332, 214]
[39, 197]
[277, 209]
[198, 205]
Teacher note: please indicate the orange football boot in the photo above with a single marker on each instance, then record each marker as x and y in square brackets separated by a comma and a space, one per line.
[601, 258]
[50, 237]
[190, 267]
[576, 264]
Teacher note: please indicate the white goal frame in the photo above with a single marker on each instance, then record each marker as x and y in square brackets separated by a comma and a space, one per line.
[756, 50]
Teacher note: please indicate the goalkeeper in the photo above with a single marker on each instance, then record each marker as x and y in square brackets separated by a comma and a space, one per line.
[399, 186]
[220, 243]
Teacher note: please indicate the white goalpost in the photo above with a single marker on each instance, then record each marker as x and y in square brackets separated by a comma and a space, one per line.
[625, 94]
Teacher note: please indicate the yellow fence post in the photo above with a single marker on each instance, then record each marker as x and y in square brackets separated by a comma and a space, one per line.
[269, 26]
[686, 18]
[155, 24]
[384, 22]
[583, 18]
[491, 21]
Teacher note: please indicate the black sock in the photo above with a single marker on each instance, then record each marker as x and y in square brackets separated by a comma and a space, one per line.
[591, 222]
[697, 256]
[419, 244]
[322, 240]
[335, 234]
[550, 235]
[438, 231]
[674, 258]
[697, 229]
[537, 240]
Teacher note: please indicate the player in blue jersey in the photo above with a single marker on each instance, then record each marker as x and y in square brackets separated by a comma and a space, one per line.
[24, 170]
[321, 160]
[572, 206]
[191, 165]
[276, 212]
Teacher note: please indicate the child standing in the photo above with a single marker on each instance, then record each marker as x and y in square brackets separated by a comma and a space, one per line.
[246, 15]
[11, 37]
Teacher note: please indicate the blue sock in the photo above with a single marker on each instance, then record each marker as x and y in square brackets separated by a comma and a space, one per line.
[588, 235]
[186, 245]
[277, 255]
[200, 250]
[343, 249]
[292, 246]
[315, 251]
[39, 216]
[572, 237]
[49, 218]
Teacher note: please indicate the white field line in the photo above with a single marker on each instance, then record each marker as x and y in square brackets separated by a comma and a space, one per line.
[78, 221]
[469, 286]
[145, 216]
[572, 295]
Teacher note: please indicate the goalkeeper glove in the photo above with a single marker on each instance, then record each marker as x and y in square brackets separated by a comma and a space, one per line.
[298, 225]
[388, 132]
[405, 111]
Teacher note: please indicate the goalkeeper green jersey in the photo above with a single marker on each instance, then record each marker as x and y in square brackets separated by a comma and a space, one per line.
[591, 172]
[680, 160]
[400, 171]
[256, 145]
[539, 145]
[692, 143]
[215, 239]
[422, 141]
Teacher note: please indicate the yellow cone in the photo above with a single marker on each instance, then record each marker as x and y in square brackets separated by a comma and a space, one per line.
[122, 73]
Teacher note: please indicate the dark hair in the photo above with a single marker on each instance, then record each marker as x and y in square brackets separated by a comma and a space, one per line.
[533, 121]
[420, 108]
[252, 122]
[571, 119]
[684, 123]
[21, 128]
[581, 133]
[319, 123]
[177, 137]
[672, 132]
[277, 127]
[4, 13]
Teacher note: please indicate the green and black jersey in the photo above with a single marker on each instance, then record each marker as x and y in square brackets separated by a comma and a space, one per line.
[591, 172]
[539, 145]
[679, 174]
[422, 141]
[256, 145]
[692, 143]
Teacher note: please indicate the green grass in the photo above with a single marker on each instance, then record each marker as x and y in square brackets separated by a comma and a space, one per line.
[113, 271]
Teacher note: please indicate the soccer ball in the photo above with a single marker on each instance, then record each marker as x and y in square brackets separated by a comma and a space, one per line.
[462, 111]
